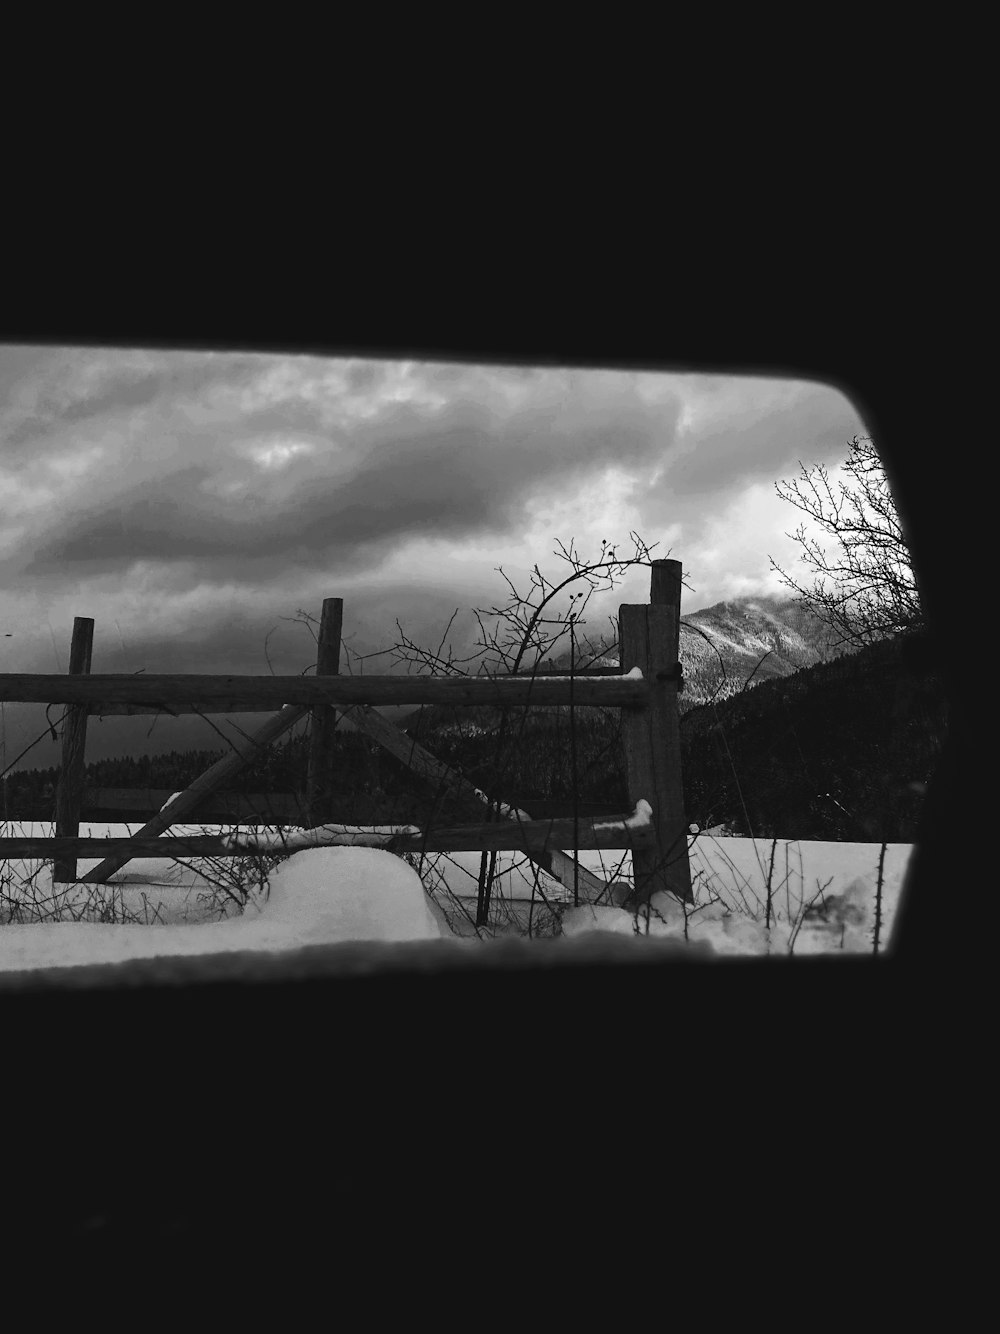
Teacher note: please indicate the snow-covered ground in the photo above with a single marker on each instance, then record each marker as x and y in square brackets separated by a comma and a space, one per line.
[317, 896]
[823, 895]
[823, 898]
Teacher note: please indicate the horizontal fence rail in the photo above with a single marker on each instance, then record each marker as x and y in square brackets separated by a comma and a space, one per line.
[103, 708]
[214, 692]
[106, 708]
[506, 836]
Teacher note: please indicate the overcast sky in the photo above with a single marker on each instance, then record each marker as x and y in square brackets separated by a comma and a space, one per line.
[189, 501]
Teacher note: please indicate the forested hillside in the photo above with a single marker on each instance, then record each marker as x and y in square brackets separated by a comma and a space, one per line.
[839, 751]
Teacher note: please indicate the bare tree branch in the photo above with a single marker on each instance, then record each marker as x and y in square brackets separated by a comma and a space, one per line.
[867, 590]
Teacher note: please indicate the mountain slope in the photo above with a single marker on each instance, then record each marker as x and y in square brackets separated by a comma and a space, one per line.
[748, 639]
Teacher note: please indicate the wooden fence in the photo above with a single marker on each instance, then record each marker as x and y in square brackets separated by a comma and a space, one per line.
[645, 689]
[134, 805]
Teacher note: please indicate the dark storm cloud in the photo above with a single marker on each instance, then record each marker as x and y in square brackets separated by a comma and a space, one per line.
[364, 376]
[117, 393]
[22, 432]
[67, 386]
[160, 518]
[453, 471]
[43, 390]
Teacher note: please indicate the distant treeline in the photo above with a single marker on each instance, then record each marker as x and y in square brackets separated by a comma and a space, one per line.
[145, 771]
[837, 751]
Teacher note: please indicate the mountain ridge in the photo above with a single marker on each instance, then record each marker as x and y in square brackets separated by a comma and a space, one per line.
[725, 648]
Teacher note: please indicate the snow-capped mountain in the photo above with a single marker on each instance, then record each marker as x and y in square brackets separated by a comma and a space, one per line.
[750, 639]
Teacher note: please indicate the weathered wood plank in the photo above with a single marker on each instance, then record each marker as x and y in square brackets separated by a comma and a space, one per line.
[111, 709]
[561, 672]
[508, 835]
[200, 845]
[650, 638]
[312, 691]
[561, 808]
[323, 720]
[69, 791]
[107, 709]
[128, 804]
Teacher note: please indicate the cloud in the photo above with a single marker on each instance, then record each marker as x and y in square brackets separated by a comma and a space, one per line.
[417, 462]
[737, 437]
[45, 390]
[741, 431]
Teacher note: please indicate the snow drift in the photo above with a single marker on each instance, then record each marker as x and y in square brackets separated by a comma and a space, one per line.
[317, 897]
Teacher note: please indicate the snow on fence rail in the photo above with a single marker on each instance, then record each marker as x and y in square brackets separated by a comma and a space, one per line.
[645, 689]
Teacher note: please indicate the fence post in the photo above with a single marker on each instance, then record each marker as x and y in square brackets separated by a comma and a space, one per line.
[69, 793]
[650, 640]
[323, 720]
